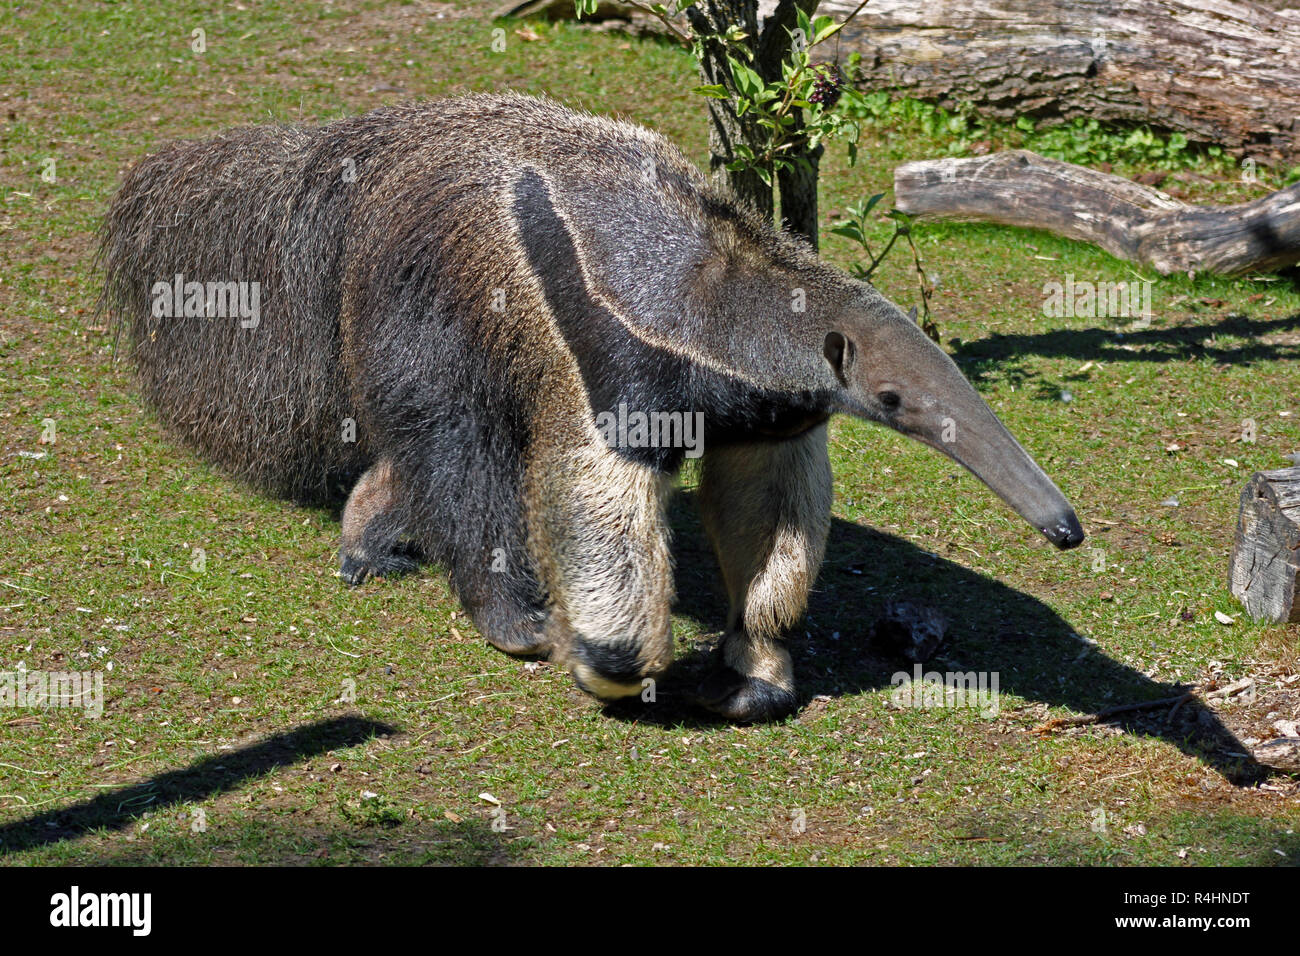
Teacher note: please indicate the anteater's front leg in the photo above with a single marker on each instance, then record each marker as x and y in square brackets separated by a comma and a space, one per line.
[599, 540]
[767, 509]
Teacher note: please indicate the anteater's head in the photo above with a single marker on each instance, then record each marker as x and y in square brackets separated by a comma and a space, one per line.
[887, 370]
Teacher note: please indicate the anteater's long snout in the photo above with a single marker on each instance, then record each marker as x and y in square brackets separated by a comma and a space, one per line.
[900, 378]
[991, 453]
[1066, 533]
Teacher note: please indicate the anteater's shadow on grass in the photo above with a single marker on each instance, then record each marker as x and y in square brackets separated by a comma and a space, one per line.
[992, 628]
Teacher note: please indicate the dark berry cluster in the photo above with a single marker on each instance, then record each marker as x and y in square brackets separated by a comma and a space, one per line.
[827, 86]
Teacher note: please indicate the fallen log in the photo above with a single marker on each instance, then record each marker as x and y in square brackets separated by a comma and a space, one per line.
[1218, 71]
[1266, 549]
[1128, 220]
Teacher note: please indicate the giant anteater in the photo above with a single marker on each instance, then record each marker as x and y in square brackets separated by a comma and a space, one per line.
[457, 301]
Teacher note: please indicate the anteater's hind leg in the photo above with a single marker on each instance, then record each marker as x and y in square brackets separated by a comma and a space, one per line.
[497, 587]
[767, 509]
[375, 541]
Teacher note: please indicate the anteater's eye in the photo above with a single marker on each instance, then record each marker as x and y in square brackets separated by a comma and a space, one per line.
[889, 400]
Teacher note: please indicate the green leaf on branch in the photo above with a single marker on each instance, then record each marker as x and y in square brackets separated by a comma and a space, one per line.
[903, 219]
[714, 91]
[850, 230]
[822, 27]
[748, 83]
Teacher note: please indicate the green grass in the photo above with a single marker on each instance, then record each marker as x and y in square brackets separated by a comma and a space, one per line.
[257, 650]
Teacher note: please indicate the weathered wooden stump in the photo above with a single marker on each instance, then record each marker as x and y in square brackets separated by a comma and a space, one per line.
[1266, 551]
[1282, 753]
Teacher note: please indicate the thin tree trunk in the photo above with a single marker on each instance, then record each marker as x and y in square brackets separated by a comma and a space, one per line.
[798, 186]
[711, 19]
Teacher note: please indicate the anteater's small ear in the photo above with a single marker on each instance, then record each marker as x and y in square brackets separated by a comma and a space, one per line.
[839, 352]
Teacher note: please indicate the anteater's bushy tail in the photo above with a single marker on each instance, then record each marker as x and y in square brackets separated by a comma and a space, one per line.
[258, 218]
